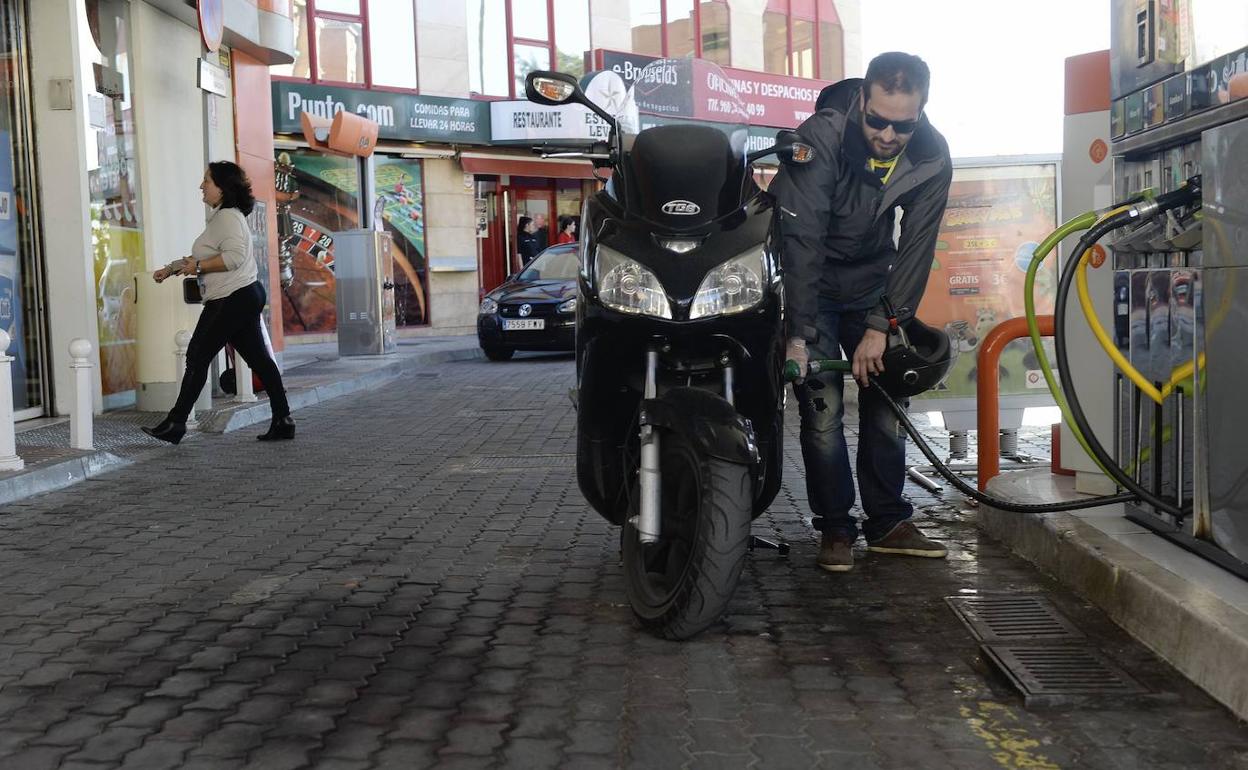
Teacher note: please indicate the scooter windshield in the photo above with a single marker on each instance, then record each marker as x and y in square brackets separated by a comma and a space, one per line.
[686, 130]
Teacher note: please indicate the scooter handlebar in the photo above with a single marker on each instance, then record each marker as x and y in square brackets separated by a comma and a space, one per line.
[793, 372]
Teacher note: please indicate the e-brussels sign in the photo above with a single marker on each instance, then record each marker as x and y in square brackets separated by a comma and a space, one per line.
[404, 117]
[771, 100]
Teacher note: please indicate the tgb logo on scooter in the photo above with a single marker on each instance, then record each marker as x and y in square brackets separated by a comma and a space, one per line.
[684, 208]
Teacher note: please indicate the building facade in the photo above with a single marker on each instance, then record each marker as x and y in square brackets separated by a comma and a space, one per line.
[110, 111]
[445, 81]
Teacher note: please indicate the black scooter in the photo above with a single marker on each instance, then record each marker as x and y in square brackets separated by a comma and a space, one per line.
[679, 351]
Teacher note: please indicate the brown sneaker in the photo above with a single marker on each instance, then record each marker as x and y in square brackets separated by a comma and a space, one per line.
[836, 554]
[906, 539]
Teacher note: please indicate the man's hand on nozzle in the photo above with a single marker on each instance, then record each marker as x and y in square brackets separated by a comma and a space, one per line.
[796, 351]
[869, 356]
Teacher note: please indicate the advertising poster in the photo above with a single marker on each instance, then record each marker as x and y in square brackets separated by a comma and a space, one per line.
[327, 187]
[117, 248]
[10, 275]
[996, 217]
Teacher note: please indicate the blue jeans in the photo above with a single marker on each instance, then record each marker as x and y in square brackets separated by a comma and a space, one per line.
[881, 439]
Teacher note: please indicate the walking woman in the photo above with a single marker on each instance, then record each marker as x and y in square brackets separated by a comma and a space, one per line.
[233, 300]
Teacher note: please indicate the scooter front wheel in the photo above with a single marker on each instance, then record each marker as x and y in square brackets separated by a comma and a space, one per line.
[682, 584]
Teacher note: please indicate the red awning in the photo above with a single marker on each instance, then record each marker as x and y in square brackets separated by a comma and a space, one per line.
[538, 167]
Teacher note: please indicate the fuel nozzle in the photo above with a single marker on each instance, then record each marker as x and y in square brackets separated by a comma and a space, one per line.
[1188, 193]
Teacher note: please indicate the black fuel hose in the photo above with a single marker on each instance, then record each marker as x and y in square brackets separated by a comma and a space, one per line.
[791, 373]
[972, 492]
[1139, 213]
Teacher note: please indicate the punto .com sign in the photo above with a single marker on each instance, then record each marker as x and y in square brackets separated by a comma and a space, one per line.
[405, 117]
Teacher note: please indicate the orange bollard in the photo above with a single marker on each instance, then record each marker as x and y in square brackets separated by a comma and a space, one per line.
[988, 391]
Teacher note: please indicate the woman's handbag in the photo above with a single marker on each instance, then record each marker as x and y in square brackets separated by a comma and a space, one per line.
[191, 292]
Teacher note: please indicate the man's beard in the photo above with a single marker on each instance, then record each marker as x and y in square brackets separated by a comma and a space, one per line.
[881, 154]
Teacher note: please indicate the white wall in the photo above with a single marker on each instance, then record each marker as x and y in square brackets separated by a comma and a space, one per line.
[1087, 185]
[170, 127]
[610, 26]
[450, 236]
[745, 32]
[442, 47]
[850, 12]
[63, 199]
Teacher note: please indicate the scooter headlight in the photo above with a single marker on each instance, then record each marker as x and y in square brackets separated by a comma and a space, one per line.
[626, 286]
[734, 286]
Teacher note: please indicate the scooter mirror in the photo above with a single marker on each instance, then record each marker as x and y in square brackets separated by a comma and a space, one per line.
[791, 150]
[550, 88]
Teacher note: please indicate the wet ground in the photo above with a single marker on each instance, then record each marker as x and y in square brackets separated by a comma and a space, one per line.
[416, 581]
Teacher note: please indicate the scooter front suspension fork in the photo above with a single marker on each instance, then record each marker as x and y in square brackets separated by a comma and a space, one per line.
[649, 483]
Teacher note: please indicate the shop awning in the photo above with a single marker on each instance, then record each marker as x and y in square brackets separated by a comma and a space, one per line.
[483, 163]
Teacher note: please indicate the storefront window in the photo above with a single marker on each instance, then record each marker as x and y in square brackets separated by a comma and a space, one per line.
[646, 21]
[302, 65]
[528, 19]
[326, 203]
[802, 56]
[391, 43]
[831, 51]
[681, 28]
[528, 58]
[571, 36]
[715, 45]
[487, 48]
[339, 50]
[775, 42]
[113, 181]
[19, 262]
[351, 7]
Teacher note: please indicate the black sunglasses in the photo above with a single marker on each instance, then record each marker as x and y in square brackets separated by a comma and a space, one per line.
[900, 126]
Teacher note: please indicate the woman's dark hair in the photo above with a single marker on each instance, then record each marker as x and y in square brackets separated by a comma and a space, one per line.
[234, 185]
[524, 222]
[564, 222]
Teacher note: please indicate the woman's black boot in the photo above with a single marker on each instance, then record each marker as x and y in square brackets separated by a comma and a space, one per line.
[168, 430]
[281, 429]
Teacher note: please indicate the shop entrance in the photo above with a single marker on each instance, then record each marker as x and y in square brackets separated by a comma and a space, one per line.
[21, 273]
[505, 199]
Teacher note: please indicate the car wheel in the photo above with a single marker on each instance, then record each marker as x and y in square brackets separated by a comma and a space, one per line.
[498, 354]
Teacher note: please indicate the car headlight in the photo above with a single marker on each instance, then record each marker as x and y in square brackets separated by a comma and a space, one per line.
[731, 287]
[628, 287]
[568, 306]
[489, 306]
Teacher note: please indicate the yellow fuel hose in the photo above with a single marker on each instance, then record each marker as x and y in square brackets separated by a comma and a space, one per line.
[1081, 222]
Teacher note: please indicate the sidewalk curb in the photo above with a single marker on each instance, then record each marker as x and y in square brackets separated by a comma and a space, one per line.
[58, 475]
[244, 415]
[1184, 622]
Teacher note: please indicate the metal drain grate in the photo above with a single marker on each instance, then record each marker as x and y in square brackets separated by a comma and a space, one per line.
[1057, 674]
[523, 462]
[1008, 618]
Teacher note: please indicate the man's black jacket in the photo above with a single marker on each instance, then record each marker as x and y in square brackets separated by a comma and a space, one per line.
[837, 218]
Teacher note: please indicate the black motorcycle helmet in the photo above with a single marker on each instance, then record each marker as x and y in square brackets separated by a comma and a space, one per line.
[917, 359]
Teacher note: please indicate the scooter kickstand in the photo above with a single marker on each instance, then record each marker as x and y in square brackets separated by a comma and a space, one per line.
[762, 542]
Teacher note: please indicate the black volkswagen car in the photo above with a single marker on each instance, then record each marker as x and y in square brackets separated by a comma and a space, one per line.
[535, 309]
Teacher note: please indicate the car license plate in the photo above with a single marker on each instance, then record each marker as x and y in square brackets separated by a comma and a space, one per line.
[523, 324]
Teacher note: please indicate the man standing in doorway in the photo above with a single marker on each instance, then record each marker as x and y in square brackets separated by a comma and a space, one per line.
[875, 154]
[542, 232]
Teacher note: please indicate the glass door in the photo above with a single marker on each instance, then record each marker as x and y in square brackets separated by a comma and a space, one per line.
[21, 287]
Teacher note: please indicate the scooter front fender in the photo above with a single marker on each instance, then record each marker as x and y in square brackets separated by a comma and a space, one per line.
[707, 420]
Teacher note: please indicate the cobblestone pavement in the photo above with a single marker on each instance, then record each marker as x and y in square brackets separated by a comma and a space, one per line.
[383, 593]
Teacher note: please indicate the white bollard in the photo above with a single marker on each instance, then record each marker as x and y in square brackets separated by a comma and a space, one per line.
[81, 428]
[242, 380]
[182, 341]
[9, 461]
